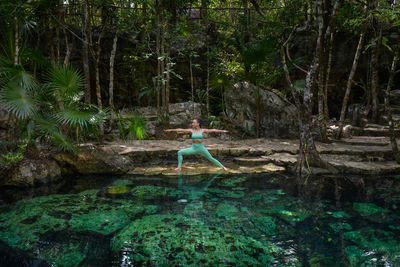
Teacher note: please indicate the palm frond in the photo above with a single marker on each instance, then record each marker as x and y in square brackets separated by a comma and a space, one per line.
[62, 142]
[16, 99]
[65, 80]
[25, 80]
[50, 129]
[32, 56]
[8, 70]
[74, 118]
[47, 125]
[16, 74]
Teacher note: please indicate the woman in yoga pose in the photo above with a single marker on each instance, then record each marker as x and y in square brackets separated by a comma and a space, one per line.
[197, 143]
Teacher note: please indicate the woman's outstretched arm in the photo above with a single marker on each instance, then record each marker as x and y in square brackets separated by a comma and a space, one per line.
[179, 130]
[214, 131]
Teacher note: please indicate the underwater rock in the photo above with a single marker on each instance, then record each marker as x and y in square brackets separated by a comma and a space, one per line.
[222, 193]
[373, 245]
[122, 182]
[154, 192]
[226, 210]
[266, 224]
[168, 240]
[367, 209]
[27, 221]
[117, 190]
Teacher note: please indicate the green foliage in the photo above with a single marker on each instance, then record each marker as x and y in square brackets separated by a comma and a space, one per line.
[65, 81]
[132, 126]
[214, 122]
[10, 158]
[17, 100]
[47, 111]
[367, 209]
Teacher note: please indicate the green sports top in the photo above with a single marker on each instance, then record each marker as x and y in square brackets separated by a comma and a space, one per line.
[197, 137]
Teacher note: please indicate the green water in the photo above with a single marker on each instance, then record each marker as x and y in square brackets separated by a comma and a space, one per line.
[209, 220]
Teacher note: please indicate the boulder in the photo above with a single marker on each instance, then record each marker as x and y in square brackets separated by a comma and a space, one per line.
[31, 172]
[180, 115]
[94, 160]
[278, 117]
[395, 97]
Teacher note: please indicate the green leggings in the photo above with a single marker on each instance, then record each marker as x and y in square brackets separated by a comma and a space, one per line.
[197, 148]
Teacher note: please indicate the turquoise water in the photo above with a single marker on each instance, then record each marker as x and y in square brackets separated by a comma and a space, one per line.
[208, 220]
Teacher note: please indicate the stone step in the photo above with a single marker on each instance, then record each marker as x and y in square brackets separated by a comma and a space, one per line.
[365, 141]
[374, 130]
[395, 109]
[279, 159]
[395, 118]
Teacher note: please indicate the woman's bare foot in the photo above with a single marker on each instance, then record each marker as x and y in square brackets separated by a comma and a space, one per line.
[225, 168]
[178, 169]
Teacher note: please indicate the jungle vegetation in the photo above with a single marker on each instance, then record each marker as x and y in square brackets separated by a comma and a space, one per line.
[67, 67]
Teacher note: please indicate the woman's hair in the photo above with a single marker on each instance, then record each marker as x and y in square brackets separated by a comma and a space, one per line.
[199, 122]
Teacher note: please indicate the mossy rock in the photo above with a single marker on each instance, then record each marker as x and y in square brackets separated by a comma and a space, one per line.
[122, 182]
[167, 240]
[222, 193]
[368, 209]
[375, 242]
[118, 190]
[148, 192]
[227, 210]
[26, 223]
[266, 224]
[232, 182]
[193, 209]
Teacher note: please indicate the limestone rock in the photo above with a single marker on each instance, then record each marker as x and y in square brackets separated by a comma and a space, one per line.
[395, 97]
[93, 160]
[278, 117]
[30, 172]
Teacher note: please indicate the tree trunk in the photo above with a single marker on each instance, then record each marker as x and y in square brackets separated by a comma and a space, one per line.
[68, 47]
[191, 79]
[328, 73]
[325, 61]
[162, 63]
[16, 36]
[208, 81]
[168, 78]
[98, 88]
[96, 55]
[85, 51]
[375, 82]
[308, 154]
[111, 84]
[350, 80]
[393, 141]
[158, 54]
[58, 41]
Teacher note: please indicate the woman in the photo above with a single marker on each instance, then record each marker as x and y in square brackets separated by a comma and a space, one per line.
[197, 143]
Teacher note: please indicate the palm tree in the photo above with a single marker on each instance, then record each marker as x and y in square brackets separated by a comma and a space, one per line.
[51, 111]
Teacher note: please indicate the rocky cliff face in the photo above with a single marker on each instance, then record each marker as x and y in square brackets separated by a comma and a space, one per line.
[278, 117]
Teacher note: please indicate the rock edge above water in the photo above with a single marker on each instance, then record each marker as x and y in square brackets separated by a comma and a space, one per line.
[154, 157]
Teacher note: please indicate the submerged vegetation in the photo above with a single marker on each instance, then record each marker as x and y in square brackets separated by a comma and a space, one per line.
[132, 221]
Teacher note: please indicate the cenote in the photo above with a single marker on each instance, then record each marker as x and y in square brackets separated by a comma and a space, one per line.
[207, 220]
